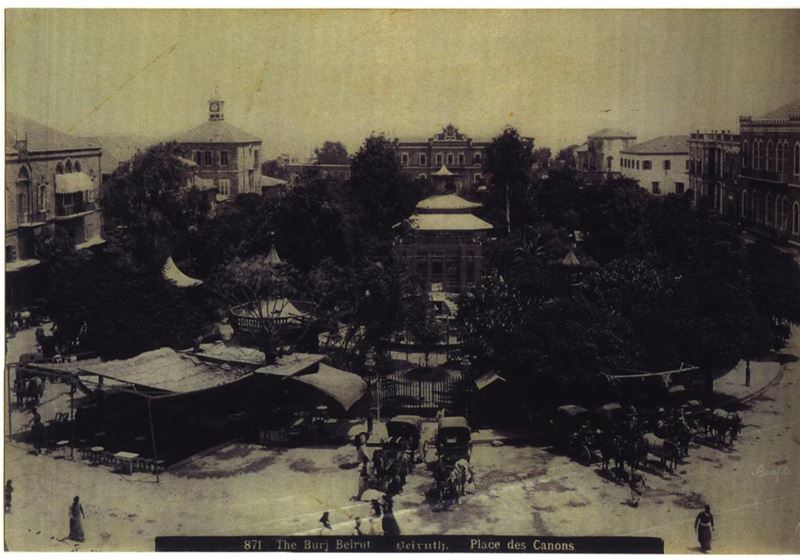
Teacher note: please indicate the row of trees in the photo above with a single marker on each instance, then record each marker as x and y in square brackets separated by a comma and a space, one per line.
[653, 280]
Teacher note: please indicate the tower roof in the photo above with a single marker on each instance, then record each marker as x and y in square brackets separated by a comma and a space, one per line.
[216, 132]
[446, 202]
[443, 172]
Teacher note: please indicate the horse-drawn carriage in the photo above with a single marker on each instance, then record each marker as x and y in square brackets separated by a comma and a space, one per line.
[574, 432]
[405, 435]
[452, 471]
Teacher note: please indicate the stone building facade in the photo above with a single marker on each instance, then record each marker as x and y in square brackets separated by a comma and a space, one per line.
[768, 190]
[602, 157]
[228, 158]
[660, 165]
[52, 182]
[714, 162]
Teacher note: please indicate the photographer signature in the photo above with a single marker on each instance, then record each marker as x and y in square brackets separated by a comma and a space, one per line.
[777, 472]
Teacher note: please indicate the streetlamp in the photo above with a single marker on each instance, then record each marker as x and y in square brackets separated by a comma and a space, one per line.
[369, 363]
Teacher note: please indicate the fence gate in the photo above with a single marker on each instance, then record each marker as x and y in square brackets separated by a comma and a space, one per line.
[401, 393]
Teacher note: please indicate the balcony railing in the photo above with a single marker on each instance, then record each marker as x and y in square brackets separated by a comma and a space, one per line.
[32, 217]
[64, 210]
[774, 176]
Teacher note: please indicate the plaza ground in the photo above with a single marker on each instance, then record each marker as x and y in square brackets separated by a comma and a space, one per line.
[522, 489]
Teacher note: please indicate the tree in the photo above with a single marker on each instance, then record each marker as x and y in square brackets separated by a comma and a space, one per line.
[259, 290]
[542, 158]
[566, 157]
[150, 197]
[508, 160]
[332, 153]
[380, 193]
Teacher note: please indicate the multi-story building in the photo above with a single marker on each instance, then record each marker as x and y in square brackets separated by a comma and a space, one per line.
[714, 169]
[449, 153]
[444, 243]
[769, 187]
[458, 153]
[602, 157]
[660, 165]
[52, 182]
[225, 155]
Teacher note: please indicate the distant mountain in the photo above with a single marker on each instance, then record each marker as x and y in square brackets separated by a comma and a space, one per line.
[116, 148]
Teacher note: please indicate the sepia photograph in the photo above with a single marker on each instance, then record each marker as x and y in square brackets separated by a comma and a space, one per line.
[411, 280]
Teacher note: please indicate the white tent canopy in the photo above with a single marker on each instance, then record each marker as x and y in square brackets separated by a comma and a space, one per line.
[172, 274]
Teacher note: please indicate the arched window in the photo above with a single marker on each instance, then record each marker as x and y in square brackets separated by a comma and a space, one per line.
[68, 167]
[768, 209]
[59, 168]
[745, 160]
[780, 213]
[770, 163]
[23, 195]
[796, 218]
[797, 158]
[757, 206]
[743, 209]
[756, 154]
[77, 167]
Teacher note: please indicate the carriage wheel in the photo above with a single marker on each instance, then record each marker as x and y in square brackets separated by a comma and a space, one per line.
[585, 454]
[425, 452]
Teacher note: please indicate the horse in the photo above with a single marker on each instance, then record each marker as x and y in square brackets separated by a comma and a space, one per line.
[726, 423]
[664, 449]
[611, 449]
[682, 434]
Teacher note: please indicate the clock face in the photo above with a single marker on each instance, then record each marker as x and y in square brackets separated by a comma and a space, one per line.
[215, 107]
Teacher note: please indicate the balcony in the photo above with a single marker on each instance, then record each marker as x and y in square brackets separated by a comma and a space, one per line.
[32, 219]
[76, 209]
[763, 174]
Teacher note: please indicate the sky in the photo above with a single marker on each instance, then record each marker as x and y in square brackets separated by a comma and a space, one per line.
[297, 78]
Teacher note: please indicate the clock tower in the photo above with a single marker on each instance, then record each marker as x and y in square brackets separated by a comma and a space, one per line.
[215, 109]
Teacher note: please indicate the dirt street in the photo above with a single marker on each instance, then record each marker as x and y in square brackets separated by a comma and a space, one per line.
[521, 489]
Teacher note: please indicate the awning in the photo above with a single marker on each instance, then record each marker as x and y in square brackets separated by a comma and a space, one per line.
[19, 265]
[271, 181]
[487, 379]
[172, 274]
[346, 388]
[204, 184]
[73, 182]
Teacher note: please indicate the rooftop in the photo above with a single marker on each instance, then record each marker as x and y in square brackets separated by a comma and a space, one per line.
[446, 202]
[216, 132]
[611, 133]
[662, 144]
[41, 137]
[448, 222]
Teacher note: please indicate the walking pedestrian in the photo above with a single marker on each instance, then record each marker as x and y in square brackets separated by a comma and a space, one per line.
[704, 526]
[76, 516]
[8, 492]
[357, 527]
[637, 484]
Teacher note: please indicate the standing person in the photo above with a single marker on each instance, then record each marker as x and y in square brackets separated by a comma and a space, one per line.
[389, 523]
[76, 516]
[704, 525]
[357, 528]
[440, 413]
[326, 528]
[363, 481]
[8, 492]
[374, 527]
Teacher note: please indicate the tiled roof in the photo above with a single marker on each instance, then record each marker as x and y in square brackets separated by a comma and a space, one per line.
[215, 132]
[785, 111]
[448, 222]
[446, 202]
[611, 133]
[662, 144]
[41, 137]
